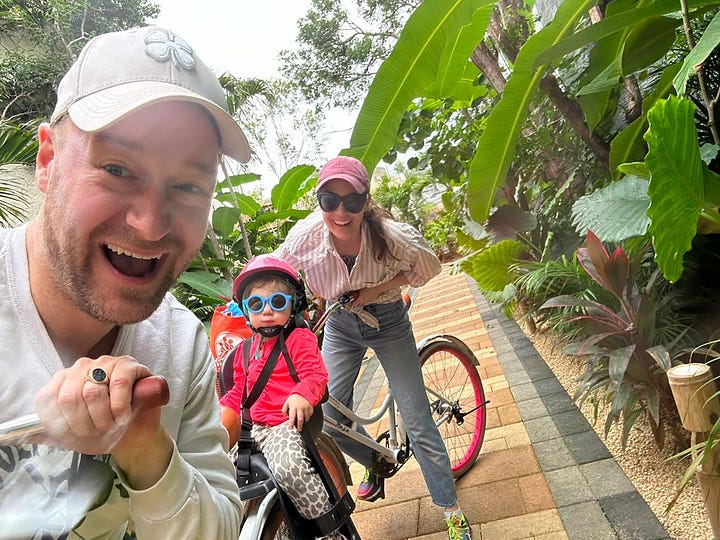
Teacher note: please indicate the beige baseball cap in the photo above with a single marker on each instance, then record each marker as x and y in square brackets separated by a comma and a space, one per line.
[121, 72]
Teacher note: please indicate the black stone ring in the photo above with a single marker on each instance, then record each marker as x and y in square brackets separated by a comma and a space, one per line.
[97, 376]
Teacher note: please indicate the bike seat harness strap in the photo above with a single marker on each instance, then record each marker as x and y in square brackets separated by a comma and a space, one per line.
[245, 441]
[342, 506]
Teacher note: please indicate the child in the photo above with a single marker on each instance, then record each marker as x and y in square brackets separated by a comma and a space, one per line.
[272, 296]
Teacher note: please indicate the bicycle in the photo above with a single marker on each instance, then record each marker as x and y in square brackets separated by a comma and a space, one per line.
[456, 396]
[457, 401]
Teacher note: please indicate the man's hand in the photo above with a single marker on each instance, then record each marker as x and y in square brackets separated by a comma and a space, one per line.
[97, 417]
[298, 410]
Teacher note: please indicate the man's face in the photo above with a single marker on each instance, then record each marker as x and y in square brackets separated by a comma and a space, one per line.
[126, 209]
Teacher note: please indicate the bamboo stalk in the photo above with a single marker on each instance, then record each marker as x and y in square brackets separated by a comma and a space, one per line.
[694, 390]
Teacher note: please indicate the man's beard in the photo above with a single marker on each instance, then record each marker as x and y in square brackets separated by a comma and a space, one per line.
[73, 278]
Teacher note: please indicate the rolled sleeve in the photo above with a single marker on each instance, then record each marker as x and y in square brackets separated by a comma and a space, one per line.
[424, 264]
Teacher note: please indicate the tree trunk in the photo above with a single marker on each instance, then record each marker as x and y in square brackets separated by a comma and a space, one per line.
[487, 62]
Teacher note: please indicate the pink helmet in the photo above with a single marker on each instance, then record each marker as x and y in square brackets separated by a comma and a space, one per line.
[270, 265]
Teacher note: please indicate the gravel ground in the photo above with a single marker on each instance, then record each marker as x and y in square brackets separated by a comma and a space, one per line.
[648, 468]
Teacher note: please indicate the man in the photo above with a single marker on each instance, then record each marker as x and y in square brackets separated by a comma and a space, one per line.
[127, 166]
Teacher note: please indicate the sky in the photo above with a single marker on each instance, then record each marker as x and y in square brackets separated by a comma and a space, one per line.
[239, 36]
[244, 37]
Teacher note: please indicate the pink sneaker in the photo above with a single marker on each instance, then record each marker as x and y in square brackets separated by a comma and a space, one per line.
[372, 487]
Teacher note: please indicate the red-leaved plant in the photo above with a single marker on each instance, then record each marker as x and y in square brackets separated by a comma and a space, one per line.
[625, 366]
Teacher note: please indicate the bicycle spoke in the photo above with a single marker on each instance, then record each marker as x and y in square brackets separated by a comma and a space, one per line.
[455, 391]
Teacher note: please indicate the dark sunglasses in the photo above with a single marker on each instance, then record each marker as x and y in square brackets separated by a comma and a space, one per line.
[256, 304]
[353, 203]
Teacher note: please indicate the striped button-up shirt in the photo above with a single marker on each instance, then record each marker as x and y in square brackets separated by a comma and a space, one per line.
[309, 248]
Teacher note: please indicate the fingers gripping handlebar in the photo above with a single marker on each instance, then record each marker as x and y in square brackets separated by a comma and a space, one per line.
[342, 300]
[148, 393]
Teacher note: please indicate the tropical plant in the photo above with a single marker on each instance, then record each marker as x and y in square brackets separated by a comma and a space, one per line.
[402, 198]
[625, 360]
[208, 280]
[18, 146]
[539, 281]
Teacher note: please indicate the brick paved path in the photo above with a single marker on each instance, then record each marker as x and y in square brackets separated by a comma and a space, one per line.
[542, 472]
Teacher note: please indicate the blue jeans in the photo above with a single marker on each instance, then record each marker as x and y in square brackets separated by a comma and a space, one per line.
[345, 342]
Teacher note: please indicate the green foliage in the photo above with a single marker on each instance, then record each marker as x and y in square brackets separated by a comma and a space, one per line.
[681, 186]
[44, 36]
[441, 134]
[704, 47]
[540, 281]
[336, 58]
[426, 46]
[628, 145]
[28, 84]
[630, 40]
[403, 199]
[615, 213]
[492, 267]
[208, 280]
[18, 146]
[501, 132]
[17, 143]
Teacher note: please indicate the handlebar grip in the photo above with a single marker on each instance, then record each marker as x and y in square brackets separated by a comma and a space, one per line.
[150, 392]
[347, 297]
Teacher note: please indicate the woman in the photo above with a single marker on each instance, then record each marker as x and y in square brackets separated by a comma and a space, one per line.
[351, 244]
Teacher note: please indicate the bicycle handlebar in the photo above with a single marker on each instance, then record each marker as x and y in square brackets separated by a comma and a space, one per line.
[148, 393]
[347, 297]
[342, 300]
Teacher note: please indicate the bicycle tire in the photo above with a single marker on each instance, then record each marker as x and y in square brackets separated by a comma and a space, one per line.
[334, 462]
[275, 526]
[449, 371]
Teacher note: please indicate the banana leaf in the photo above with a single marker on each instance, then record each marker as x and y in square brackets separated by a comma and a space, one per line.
[496, 147]
[412, 69]
[615, 23]
[705, 45]
[293, 185]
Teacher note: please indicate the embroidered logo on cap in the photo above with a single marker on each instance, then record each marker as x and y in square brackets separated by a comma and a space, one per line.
[163, 46]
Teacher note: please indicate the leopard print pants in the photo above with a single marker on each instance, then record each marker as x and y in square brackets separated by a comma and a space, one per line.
[286, 456]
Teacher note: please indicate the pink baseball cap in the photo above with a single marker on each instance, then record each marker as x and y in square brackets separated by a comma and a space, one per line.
[345, 168]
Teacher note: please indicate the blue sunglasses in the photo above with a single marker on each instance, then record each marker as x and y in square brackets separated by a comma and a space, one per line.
[256, 304]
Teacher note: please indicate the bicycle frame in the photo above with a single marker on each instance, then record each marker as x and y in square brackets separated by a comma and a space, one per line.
[391, 452]
[257, 513]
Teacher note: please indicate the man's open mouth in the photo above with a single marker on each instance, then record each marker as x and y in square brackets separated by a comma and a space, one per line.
[128, 263]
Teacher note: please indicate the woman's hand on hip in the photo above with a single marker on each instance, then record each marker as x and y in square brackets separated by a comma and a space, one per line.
[364, 297]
